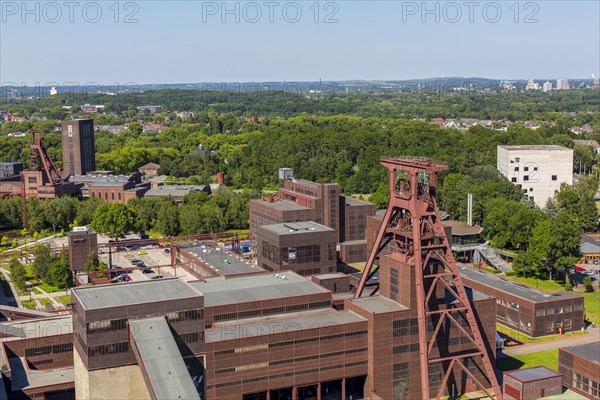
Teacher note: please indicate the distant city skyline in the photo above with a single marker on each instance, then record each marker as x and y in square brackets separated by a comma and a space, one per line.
[195, 41]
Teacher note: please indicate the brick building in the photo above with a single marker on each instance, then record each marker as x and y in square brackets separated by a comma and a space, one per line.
[109, 187]
[78, 152]
[259, 336]
[304, 247]
[531, 384]
[82, 242]
[36, 355]
[525, 309]
[300, 200]
[580, 366]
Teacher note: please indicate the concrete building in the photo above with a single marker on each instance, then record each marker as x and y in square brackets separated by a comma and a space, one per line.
[525, 309]
[547, 86]
[538, 170]
[580, 366]
[78, 153]
[300, 200]
[10, 169]
[562, 84]
[82, 242]
[531, 384]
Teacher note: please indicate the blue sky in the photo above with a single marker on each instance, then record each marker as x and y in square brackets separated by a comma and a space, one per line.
[198, 41]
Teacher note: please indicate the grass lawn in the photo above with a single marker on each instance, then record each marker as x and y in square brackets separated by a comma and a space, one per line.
[592, 306]
[28, 303]
[548, 358]
[46, 302]
[65, 299]
[36, 290]
[49, 288]
[153, 234]
[526, 339]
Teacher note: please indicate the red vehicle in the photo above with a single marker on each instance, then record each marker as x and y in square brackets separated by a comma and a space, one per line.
[580, 269]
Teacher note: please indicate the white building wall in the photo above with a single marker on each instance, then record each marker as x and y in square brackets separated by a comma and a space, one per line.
[538, 170]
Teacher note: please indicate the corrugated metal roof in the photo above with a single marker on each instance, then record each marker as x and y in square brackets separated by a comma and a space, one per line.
[161, 359]
[296, 228]
[379, 304]
[38, 327]
[141, 292]
[220, 291]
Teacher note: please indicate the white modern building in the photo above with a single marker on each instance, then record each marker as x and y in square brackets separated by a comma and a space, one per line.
[532, 85]
[562, 84]
[547, 86]
[537, 169]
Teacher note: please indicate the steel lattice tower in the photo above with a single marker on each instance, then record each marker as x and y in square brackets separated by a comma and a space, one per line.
[412, 226]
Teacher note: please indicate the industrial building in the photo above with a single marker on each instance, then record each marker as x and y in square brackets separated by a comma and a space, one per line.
[255, 336]
[304, 247]
[109, 187]
[10, 169]
[82, 242]
[580, 366]
[79, 155]
[527, 310]
[300, 201]
[538, 170]
[531, 384]
[36, 355]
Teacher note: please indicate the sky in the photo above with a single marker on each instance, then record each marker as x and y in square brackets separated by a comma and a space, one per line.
[120, 42]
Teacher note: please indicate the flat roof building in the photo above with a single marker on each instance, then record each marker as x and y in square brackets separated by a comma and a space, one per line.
[538, 170]
[304, 247]
[525, 309]
[531, 383]
[580, 366]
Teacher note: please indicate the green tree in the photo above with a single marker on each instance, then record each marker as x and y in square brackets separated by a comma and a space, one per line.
[114, 220]
[60, 273]
[564, 241]
[36, 235]
[92, 263]
[4, 241]
[15, 243]
[42, 264]
[381, 197]
[18, 274]
[167, 221]
[587, 284]
[568, 285]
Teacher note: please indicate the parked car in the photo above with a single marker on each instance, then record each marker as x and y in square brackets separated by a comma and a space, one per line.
[141, 265]
[596, 262]
[167, 251]
[580, 269]
[157, 277]
[147, 271]
[136, 261]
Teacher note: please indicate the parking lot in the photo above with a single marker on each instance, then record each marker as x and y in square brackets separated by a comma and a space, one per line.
[156, 263]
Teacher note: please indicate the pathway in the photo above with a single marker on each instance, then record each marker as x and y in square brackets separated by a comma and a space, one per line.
[592, 337]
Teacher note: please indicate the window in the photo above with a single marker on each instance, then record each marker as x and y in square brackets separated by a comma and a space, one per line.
[516, 169]
[112, 195]
[513, 179]
[531, 189]
[32, 179]
[554, 177]
[517, 159]
[525, 168]
[525, 177]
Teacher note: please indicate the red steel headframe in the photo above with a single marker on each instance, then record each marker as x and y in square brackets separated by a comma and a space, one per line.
[411, 223]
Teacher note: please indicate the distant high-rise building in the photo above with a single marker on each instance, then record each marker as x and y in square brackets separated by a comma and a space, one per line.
[547, 86]
[532, 85]
[562, 84]
[53, 91]
[78, 152]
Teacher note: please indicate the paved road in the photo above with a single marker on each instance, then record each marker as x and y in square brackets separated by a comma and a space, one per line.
[592, 337]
